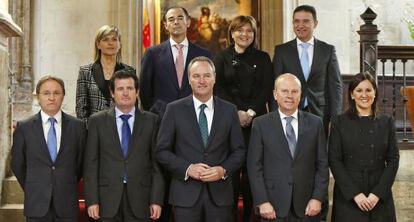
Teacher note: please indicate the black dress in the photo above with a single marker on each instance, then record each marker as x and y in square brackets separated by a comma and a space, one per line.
[364, 157]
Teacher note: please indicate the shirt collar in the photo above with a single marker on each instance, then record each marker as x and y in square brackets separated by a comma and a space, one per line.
[294, 115]
[209, 103]
[311, 41]
[45, 117]
[184, 42]
[119, 113]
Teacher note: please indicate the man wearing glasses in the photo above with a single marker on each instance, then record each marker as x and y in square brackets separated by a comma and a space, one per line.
[47, 156]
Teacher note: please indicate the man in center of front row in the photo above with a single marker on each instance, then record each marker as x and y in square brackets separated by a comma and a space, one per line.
[122, 178]
[200, 142]
[287, 162]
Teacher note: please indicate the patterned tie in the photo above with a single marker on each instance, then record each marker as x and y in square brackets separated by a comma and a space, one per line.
[126, 133]
[179, 63]
[304, 62]
[202, 123]
[290, 135]
[51, 139]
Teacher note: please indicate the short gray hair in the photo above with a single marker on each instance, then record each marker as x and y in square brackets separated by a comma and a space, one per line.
[201, 59]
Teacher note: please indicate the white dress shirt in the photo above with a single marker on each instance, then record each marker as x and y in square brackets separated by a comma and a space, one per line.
[119, 121]
[58, 126]
[310, 49]
[209, 111]
[175, 50]
[294, 123]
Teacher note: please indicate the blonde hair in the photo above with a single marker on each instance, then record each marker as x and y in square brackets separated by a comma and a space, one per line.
[102, 33]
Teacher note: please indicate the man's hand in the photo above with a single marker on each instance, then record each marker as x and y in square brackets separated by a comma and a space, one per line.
[373, 199]
[155, 211]
[196, 170]
[244, 118]
[266, 211]
[212, 174]
[313, 208]
[363, 202]
[93, 211]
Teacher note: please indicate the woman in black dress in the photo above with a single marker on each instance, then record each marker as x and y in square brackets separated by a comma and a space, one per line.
[244, 77]
[364, 157]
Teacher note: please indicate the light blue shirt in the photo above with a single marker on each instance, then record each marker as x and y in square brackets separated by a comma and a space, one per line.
[119, 121]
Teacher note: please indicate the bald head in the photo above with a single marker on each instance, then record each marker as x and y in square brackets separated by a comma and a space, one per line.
[287, 93]
[286, 77]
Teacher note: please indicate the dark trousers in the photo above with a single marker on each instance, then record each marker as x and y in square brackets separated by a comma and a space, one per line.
[124, 213]
[204, 210]
[292, 217]
[52, 217]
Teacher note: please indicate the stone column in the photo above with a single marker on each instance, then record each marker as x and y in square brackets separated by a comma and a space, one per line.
[7, 29]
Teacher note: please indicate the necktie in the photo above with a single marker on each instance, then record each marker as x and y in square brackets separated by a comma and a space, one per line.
[179, 63]
[304, 62]
[126, 133]
[202, 123]
[290, 135]
[51, 139]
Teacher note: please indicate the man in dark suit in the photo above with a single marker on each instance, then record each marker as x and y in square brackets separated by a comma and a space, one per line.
[287, 160]
[47, 157]
[122, 178]
[163, 67]
[201, 144]
[315, 64]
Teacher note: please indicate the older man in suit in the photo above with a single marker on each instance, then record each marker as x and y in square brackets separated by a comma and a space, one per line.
[315, 64]
[201, 144]
[287, 159]
[47, 157]
[122, 178]
[163, 67]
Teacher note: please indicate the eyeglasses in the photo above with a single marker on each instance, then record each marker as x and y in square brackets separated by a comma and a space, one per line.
[49, 94]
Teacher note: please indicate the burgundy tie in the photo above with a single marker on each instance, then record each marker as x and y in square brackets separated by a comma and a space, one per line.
[179, 64]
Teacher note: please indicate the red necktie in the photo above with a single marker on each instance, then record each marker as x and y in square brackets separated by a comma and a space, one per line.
[179, 63]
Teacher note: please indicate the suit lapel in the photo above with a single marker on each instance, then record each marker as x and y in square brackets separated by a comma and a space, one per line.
[302, 126]
[190, 56]
[63, 135]
[38, 131]
[294, 51]
[217, 118]
[112, 127]
[190, 113]
[136, 131]
[98, 76]
[279, 131]
[169, 63]
[317, 53]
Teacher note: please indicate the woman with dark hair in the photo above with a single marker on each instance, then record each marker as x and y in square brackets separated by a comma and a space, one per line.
[363, 156]
[92, 88]
[244, 77]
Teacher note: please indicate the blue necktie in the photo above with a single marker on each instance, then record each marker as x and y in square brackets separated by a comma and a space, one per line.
[126, 134]
[304, 62]
[290, 135]
[51, 139]
[202, 123]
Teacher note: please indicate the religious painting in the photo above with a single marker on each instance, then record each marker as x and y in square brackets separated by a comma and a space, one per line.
[210, 19]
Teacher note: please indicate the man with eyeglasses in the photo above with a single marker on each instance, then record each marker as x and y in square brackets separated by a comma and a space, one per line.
[47, 156]
[287, 159]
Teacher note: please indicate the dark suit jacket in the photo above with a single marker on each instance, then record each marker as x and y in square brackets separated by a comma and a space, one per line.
[158, 76]
[41, 179]
[180, 144]
[324, 85]
[91, 94]
[278, 178]
[104, 165]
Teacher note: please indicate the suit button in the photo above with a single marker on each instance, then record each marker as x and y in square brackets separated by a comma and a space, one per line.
[372, 145]
[126, 161]
[53, 167]
[205, 154]
[290, 183]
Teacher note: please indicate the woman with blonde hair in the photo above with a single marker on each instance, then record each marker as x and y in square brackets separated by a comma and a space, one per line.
[92, 88]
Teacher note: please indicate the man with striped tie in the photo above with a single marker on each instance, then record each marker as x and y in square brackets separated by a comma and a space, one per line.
[47, 156]
[201, 144]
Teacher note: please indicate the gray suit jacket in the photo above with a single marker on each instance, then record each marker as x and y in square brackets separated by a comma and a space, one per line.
[278, 178]
[180, 144]
[324, 85]
[104, 165]
[41, 179]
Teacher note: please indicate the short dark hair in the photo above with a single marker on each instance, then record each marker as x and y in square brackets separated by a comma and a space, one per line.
[201, 59]
[48, 78]
[122, 74]
[355, 81]
[306, 8]
[176, 7]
